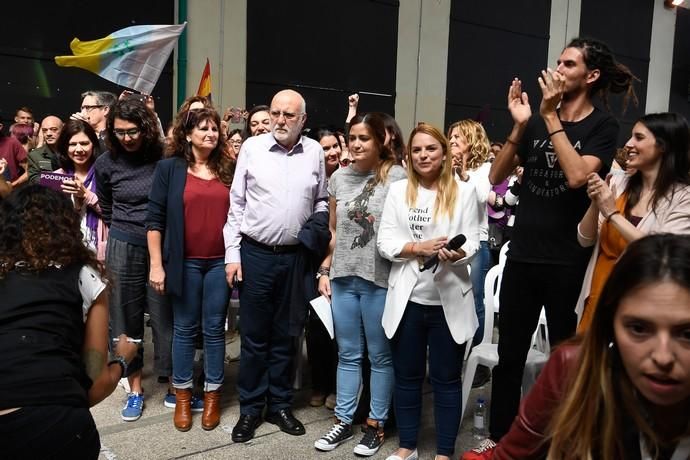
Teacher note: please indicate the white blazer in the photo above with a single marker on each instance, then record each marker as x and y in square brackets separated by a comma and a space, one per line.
[451, 279]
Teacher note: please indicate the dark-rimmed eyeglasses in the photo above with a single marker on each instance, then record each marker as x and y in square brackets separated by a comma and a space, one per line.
[89, 108]
[132, 133]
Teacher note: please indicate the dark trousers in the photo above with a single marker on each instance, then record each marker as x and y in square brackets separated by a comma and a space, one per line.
[49, 432]
[129, 297]
[525, 289]
[267, 348]
[323, 355]
[425, 327]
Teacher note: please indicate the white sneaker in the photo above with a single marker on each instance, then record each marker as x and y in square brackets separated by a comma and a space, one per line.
[413, 456]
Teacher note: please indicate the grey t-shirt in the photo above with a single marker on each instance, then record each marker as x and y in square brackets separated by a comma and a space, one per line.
[359, 205]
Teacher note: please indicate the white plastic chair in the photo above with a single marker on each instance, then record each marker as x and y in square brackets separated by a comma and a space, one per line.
[502, 254]
[486, 353]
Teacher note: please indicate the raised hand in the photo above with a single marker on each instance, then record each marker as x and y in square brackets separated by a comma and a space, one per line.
[552, 85]
[518, 103]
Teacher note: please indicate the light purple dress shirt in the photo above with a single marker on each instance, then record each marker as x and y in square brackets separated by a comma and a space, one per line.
[274, 192]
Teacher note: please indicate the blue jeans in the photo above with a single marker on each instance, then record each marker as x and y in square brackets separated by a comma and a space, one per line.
[480, 267]
[204, 301]
[357, 310]
[425, 326]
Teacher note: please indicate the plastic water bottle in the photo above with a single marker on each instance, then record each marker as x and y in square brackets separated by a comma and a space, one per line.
[479, 428]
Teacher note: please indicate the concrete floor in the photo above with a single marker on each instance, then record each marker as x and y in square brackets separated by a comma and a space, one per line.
[154, 437]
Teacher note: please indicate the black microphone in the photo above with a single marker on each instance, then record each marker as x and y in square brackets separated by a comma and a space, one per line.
[452, 245]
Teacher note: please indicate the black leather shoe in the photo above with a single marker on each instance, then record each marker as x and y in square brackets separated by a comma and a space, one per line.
[244, 429]
[286, 422]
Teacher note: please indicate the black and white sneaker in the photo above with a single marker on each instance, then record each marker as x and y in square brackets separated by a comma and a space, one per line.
[372, 439]
[338, 434]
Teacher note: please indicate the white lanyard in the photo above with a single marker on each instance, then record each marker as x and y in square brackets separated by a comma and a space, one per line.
[681, 453]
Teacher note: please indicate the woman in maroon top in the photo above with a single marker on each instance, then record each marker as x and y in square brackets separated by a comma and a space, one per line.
[188, 205]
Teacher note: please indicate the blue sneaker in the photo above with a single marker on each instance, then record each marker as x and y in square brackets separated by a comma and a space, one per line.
[197, 404]
[133, 408]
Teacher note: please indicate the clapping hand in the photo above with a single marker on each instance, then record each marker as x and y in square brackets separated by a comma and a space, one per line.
[552, 86]
[518, 103]
[600, 193]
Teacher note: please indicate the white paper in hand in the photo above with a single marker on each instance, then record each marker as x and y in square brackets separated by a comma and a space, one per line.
[322, 307]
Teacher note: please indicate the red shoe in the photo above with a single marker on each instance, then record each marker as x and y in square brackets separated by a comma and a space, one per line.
[484, 451]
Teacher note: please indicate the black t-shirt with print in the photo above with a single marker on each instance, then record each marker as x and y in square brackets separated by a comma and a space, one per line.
[548, 213]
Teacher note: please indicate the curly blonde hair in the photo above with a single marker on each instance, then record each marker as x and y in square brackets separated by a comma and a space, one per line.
[477, 140]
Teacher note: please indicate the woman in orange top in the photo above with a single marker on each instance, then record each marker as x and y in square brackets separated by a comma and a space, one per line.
[654, 198]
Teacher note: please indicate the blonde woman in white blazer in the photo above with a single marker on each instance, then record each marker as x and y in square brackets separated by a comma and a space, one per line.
[428, 310]
[654, 199]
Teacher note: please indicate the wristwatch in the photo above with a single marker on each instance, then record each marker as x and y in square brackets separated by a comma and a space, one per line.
[119, 359]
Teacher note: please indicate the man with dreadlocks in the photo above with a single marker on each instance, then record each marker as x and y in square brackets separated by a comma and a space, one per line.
[558, 147]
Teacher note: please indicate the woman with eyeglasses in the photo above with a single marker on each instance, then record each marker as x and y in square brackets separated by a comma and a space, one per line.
[234, 142]
[187, 209]
[124, 175]
[77, 149]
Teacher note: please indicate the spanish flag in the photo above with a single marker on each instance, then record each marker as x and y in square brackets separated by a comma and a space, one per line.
[205, 83]
[132, 57]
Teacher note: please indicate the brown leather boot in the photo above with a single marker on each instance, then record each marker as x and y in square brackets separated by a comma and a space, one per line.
[183, 409]
[211, 416]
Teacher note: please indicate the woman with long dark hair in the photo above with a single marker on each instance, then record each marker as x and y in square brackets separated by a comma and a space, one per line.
[655, 198]
[54, 323]
[77, 149]
[123, 180]
[188, 205]
[621, 391]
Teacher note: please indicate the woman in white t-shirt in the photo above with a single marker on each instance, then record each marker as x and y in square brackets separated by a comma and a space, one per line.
[428, 309]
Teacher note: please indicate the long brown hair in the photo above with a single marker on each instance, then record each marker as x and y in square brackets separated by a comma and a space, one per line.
[672, 137]
[447, 189]
[218, 163]
[377, 129]
[589, 423]
[477, 141]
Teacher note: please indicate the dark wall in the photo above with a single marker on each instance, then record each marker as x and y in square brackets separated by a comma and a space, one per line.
[628, 32]
[326, 51]
[680, 78]
[487, 48]
[31, 37]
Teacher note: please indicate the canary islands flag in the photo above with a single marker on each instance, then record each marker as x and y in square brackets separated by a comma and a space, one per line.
[205, 83]
[132, 57]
